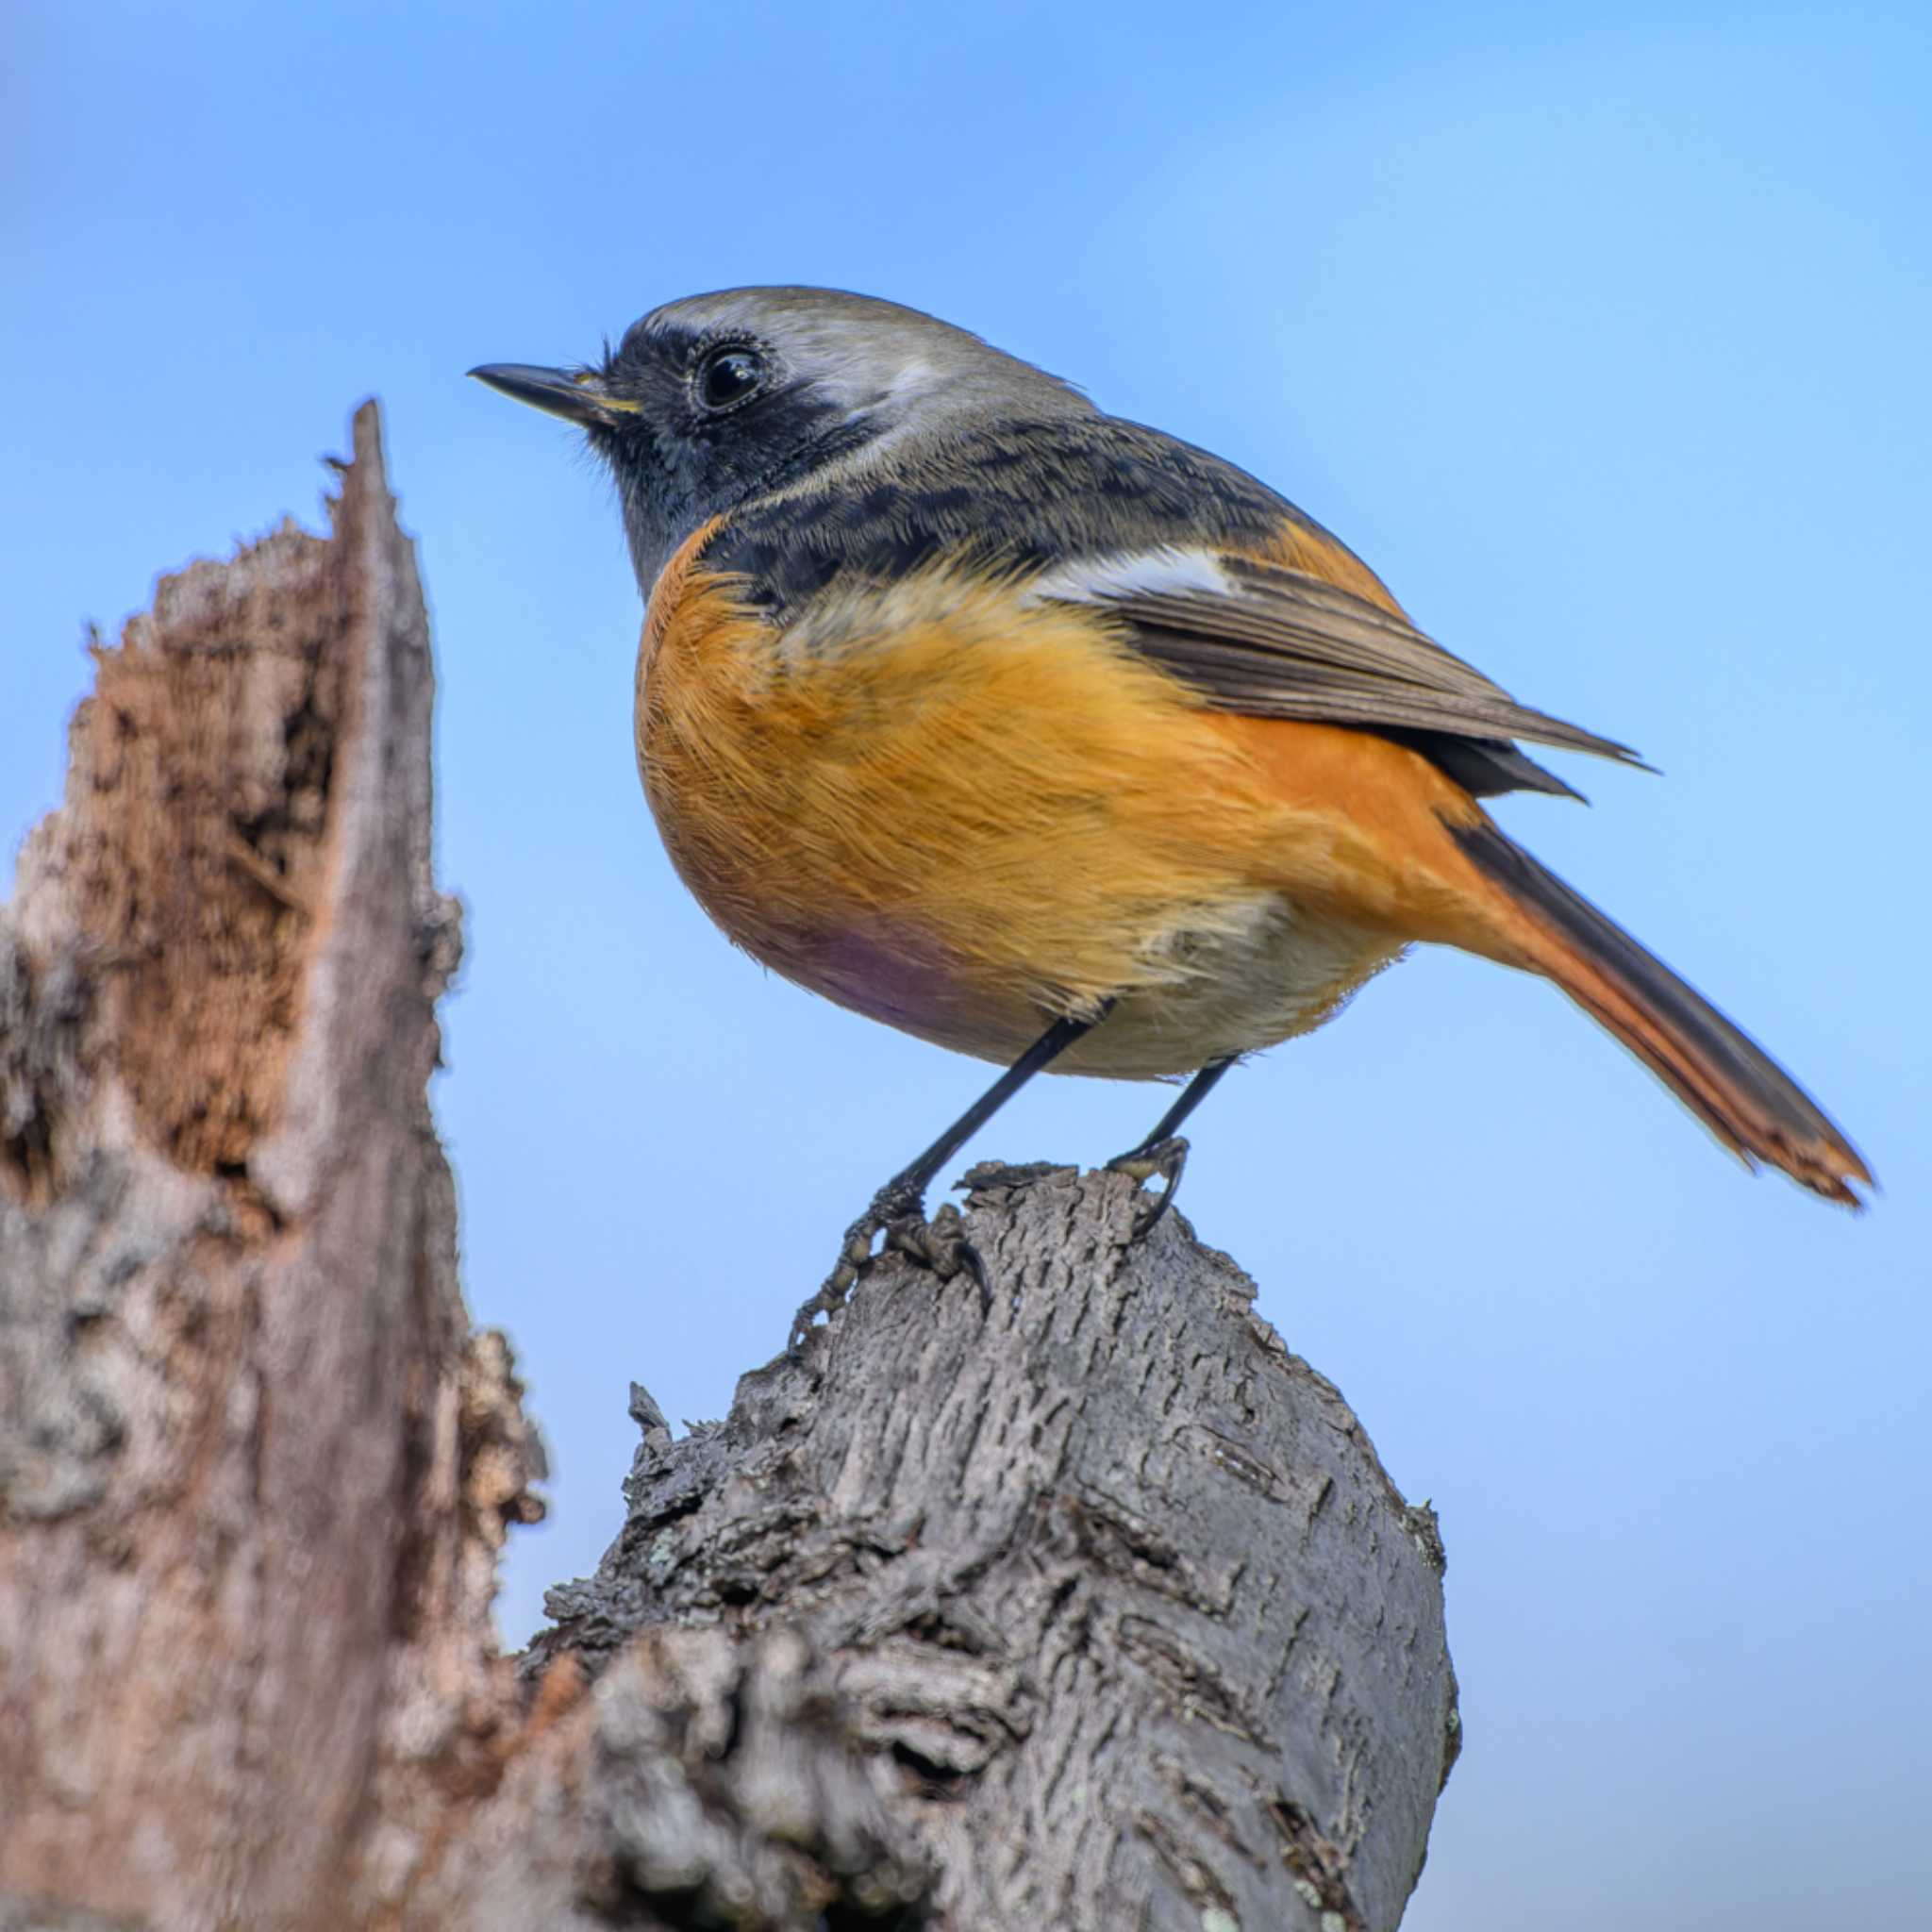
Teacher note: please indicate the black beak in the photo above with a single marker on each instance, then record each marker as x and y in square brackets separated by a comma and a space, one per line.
[577, 395]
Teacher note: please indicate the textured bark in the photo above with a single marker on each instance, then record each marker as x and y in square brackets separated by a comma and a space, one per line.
[1093, 1608]
[1110, 1585]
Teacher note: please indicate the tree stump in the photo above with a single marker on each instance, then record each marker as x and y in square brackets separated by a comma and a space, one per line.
[1094, 1609]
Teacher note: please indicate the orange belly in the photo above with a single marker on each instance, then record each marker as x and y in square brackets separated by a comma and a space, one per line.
[964, 814]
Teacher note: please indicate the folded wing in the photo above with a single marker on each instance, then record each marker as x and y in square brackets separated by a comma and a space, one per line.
[1274, 642]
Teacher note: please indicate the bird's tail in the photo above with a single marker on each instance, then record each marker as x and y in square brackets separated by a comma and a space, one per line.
[1732, 1085]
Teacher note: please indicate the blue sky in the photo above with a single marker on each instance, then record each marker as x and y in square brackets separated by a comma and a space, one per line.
[1601, 333]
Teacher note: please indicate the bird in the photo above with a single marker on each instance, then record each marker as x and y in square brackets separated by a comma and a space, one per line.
[1055, 740]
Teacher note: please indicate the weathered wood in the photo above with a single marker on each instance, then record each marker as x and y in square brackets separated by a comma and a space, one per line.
[253, 1468]
[1094, 1609]
[1112, 1582]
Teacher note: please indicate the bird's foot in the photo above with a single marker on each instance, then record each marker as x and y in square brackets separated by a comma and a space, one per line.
[898, 1213]
[1164, 1161]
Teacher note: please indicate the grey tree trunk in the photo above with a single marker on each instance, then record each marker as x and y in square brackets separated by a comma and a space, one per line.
[1094, 1609]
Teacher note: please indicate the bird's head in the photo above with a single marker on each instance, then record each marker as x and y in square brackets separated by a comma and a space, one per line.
[715, 398]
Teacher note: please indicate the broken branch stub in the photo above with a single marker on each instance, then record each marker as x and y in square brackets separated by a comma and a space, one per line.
[1114, 1587]
[254, 1466]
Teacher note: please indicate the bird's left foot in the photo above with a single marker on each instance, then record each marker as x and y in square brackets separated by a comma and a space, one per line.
[1165, 1159]
[899, 1215]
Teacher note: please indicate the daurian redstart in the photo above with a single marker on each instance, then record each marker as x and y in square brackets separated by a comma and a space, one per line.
[1051, 738]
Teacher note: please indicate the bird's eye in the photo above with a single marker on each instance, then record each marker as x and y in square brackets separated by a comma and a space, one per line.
[728, 375]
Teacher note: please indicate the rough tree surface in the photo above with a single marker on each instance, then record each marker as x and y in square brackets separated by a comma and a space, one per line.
[1093, 1609]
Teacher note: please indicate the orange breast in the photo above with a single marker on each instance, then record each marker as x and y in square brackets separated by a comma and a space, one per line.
[962, 813]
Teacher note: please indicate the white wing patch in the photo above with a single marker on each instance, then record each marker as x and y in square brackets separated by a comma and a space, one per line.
[1167, 570]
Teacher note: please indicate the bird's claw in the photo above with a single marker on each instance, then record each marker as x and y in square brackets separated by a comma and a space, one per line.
[938, 1243]
[1165, 1160]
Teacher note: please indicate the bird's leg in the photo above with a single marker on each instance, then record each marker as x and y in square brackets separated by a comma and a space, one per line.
[1163, 1153]
[898, 1209]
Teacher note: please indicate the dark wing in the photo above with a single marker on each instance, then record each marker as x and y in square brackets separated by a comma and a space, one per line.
[1176, 542]
[1272, 641]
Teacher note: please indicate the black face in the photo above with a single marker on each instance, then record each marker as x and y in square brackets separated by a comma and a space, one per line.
[719, 416]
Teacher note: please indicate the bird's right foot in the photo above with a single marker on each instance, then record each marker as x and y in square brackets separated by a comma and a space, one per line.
[897, 1213]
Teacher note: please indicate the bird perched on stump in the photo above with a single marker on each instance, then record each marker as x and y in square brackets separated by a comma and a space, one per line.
[1055, 740]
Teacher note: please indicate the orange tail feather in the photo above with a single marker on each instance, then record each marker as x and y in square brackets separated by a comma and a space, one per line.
[1739, 1092]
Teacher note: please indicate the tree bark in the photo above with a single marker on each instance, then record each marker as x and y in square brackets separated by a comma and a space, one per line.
[1090, 1609]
